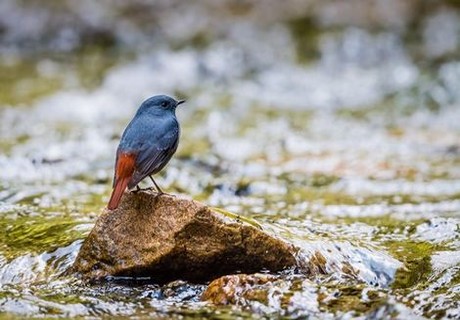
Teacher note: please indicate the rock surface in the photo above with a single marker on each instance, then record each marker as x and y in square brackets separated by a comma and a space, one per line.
[167, 238]
[294, 295]
[233, 289]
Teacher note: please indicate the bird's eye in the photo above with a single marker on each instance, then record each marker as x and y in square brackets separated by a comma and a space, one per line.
[164, 104]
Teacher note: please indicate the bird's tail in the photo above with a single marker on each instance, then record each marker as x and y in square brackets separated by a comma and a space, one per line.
[124, 169]
[117, 193]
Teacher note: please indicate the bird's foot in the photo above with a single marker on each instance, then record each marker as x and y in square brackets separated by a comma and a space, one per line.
[141, 189]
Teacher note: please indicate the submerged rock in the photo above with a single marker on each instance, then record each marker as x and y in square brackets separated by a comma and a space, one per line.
[232, 289]
[165, 238]
[295, 296]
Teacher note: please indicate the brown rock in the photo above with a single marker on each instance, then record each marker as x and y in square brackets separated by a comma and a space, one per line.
[167, 238]
[234, 288]
[293, 296]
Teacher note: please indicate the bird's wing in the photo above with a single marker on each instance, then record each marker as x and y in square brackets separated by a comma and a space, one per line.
[152, 158]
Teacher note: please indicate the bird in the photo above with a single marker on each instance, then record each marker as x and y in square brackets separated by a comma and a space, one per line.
[146, 145]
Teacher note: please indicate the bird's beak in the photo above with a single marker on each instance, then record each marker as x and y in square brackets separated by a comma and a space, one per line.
[180, 102]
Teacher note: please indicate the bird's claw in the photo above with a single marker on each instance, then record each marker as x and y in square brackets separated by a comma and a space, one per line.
[142, 189]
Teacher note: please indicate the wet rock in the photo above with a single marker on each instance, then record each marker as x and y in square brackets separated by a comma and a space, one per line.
[167, 238]
[232, 289]
[294, 296]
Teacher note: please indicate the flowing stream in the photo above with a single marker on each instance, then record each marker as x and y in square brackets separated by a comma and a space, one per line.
[343, 139]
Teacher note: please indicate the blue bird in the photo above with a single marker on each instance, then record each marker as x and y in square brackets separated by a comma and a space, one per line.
[146, 146]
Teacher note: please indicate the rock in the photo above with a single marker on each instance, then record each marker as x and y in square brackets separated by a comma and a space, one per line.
[234, 288]
[312, 287]
[166, 238]
[293, 296]
[286, 296]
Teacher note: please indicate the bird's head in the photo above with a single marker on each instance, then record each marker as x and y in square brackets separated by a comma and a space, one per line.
[159, 104]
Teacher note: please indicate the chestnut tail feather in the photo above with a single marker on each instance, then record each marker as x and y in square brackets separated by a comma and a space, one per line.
[117, 193]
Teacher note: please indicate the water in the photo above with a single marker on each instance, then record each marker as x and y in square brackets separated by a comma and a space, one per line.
[341, 137]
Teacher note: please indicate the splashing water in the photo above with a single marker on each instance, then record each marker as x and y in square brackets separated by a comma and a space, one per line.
[353, 155]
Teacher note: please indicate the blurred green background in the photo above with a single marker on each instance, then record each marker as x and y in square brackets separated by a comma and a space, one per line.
[333, 123]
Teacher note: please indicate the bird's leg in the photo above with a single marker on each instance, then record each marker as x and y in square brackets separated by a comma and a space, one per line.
[156, 186]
